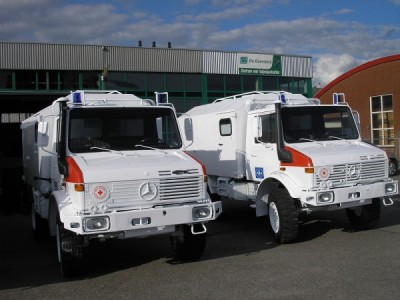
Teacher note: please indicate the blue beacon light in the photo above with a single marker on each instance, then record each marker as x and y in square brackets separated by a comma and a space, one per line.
[282, 98]
[76, 98]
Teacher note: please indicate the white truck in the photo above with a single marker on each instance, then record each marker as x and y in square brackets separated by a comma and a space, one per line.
[287, 155]
[104, 165]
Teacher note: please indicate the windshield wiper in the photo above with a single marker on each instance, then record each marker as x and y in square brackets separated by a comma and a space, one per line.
[307, 140]
[151, 148]
[109, 150]
[337, 138]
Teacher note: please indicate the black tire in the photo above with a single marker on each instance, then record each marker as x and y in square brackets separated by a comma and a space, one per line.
[366, 216]
[283, 216]
[393, 167]
[213, 197]
[69, 251]
[188, 246]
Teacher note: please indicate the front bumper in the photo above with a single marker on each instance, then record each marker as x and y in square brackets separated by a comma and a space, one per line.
[342, 197]
[140, 222]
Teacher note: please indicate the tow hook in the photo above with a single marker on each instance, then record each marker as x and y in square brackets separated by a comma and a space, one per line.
[387, 201]
[202, 230]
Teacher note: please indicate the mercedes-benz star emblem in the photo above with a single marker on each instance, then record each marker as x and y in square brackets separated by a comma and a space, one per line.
[353, 172]
[148, 191]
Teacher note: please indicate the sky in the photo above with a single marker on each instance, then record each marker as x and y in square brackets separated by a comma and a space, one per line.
[338, 34]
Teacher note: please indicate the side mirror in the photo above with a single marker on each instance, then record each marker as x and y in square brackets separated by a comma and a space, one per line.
[188, 128]
[42, 136]
[42, 127]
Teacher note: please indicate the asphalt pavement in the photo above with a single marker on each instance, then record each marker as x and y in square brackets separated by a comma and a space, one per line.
[242, 261]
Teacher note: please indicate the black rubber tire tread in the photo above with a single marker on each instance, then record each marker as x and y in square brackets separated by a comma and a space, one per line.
[288, 216]
[213, 197]
[70, 265]
[188, 246]
[393, 167]
[368, 218]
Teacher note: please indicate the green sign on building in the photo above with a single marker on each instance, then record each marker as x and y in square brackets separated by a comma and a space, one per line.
[259, 64]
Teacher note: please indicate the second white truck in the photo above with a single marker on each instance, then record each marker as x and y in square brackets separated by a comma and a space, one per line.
[287, 154]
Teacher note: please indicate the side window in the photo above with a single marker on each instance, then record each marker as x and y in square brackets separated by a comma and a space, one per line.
[225, 127]
[268, 124]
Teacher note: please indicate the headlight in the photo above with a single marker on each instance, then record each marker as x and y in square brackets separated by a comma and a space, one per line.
[96, 223]
[325, 197]
[390, 188]
[201, 212]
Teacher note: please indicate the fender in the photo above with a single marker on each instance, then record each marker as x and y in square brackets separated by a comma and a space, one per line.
[270, 183]
[58, 200]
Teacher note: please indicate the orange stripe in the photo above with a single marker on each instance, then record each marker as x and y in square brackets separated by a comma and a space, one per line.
[74, 172]
[298, 159]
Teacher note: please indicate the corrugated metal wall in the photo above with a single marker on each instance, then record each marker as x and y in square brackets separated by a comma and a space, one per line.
[215, 62]
[297, 66]
[153, 60]
[31, 56]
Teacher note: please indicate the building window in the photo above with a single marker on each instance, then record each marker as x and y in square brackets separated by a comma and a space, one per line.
[91, 80]
[5, 80]
[382, 123]
[69, 80]
[25, 80]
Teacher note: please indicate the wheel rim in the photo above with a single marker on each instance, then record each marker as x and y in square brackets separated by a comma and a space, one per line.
[274, 217]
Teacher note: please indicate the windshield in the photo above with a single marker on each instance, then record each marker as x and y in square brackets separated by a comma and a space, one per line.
[101, 129]
[318, 123]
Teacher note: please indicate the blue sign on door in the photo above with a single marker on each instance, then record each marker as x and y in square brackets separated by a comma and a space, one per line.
[260, 173]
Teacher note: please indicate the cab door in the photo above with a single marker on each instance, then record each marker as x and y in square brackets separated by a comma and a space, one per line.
[262, 157]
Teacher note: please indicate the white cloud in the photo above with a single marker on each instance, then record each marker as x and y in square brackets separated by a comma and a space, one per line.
[329, 67]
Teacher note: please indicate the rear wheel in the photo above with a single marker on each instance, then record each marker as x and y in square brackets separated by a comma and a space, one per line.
[366, 216]
[283, 216]
[69, 251]
[186, 245]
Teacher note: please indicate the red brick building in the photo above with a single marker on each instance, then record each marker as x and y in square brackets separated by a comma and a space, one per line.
[373, 89]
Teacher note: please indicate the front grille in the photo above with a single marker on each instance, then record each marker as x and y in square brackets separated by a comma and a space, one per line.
[355, 172]
[128, 194]
[177, 188]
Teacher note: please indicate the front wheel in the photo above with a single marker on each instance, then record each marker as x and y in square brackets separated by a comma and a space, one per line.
[186, 245]
[69, 251]
[283, 216]
[392, 167]
[366, 216]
